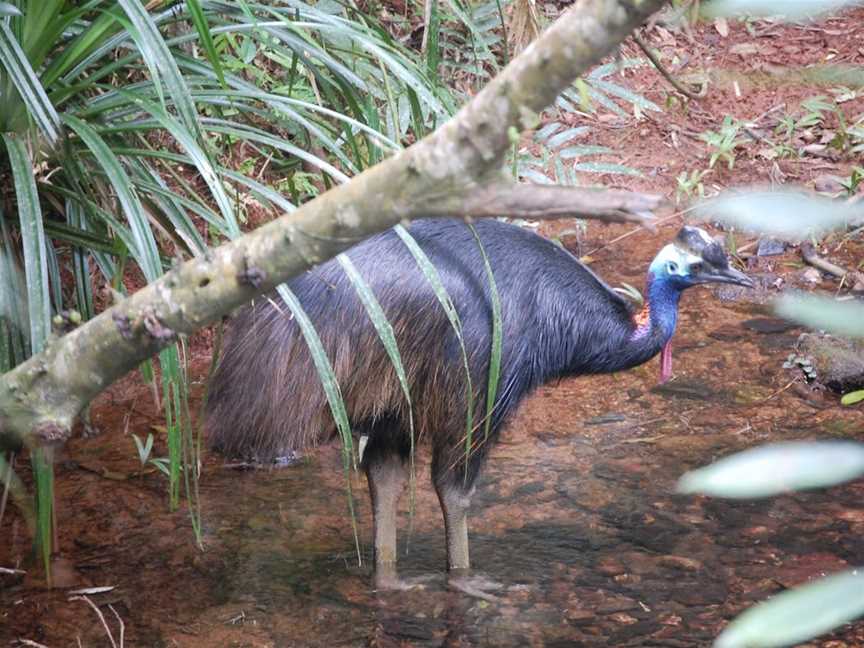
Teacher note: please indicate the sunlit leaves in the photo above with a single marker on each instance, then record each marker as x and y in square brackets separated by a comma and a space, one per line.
[799, 614]
[777, 468]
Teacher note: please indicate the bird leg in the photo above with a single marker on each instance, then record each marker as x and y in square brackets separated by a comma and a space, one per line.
[386, 475]
[666, 362]
[454, 504]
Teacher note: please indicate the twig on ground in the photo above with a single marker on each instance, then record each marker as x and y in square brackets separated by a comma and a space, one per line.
[655, 60]
[102, 619]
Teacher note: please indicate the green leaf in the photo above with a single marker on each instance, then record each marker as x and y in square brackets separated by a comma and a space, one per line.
[332, 391]
[203, 28]
[15, 62]
[7, 9]
[495, 349]
[852, 397]
[797, 10]
[33, 240]
[785, 214]
[161, 63]
[434, 279]
[580, 151]
[823, 313]
[798, 614]
[145, 250]
[385, 333]
[43, 470]
[199, 157]
[777, 468]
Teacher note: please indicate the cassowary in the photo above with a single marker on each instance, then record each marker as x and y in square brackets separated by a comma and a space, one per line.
[559, 319]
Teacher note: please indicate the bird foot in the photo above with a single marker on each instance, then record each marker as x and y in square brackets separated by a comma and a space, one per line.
[475, 585]
[389, 581]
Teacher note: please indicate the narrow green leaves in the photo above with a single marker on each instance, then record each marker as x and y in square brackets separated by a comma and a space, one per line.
[161, 62]
[497, 337]
[784, 214]
[388, 339]
[203, 28]
[33, 240]
[798, 614]
[434, 279]
[15, 62]
[777, 468]
[823, 313]
[331, 390]
[145, 250]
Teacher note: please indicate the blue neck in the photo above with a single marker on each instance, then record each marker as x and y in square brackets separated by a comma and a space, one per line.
[663, 302]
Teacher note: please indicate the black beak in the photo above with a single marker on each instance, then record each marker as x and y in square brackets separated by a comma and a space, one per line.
[724, 275]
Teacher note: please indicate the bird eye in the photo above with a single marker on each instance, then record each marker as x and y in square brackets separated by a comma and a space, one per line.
[696, 268]
[672, 267]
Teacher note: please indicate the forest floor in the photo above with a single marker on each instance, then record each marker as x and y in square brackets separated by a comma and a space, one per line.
[575, 514]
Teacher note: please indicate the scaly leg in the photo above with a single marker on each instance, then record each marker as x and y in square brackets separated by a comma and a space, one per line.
[386, 475]
[454, 504]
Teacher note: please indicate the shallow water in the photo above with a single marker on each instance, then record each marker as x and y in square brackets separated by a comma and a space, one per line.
[575, 517]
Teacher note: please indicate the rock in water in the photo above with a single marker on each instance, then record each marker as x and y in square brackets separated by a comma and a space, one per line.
[839, 363]
[770, 247]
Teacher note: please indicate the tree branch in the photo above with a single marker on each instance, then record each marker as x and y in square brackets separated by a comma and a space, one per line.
[40, 398]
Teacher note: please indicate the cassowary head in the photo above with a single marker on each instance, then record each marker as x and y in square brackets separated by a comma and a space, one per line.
[695, 258]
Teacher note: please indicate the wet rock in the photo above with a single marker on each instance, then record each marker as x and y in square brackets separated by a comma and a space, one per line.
[770, 247]
[681, 563]
[610, 566]
[699, 593]
[839, 363]
[606, 418]
[769, 344]
[689, 388]
[531, 488]
[615, 604]
[587, 493]
[811, 276]
[623, 618]
[727, 333]
[578, 617]
[768, 325]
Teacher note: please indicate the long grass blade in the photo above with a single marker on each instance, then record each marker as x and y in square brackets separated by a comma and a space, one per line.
[161, 62]
[334, 396]
[497, 337]
[434, 278]
[385, 333]
[146, 252]
[39, 106]
[206, 39]
[33, 241]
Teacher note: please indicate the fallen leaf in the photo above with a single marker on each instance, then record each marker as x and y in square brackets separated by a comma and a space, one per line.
[721, 26]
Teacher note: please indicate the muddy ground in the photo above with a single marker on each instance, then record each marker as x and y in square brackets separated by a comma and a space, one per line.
[575, 514]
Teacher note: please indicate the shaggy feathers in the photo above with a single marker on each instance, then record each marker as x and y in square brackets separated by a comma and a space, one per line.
[558, 317]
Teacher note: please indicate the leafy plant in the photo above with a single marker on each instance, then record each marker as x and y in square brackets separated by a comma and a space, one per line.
[722, 143]
[144, 449]
[119, 123]
[804, 363]
[690, 184]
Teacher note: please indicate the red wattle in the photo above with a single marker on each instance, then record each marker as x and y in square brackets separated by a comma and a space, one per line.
[666, 362]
